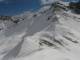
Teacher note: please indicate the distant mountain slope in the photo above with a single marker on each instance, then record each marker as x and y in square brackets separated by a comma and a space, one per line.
[48, 34]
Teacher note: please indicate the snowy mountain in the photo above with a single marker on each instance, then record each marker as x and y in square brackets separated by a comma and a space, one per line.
[48, 34]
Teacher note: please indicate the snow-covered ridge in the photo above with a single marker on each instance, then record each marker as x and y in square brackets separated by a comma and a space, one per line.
[40, 35]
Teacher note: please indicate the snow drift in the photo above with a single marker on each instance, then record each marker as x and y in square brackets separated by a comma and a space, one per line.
[41, 35]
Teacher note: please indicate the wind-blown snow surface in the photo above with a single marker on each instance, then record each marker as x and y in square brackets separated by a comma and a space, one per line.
[43, 35]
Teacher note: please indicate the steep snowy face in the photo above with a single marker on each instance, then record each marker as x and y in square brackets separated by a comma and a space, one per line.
[44, 35]
[24, 37]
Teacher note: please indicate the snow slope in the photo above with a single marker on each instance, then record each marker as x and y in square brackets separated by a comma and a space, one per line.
[41, 35]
